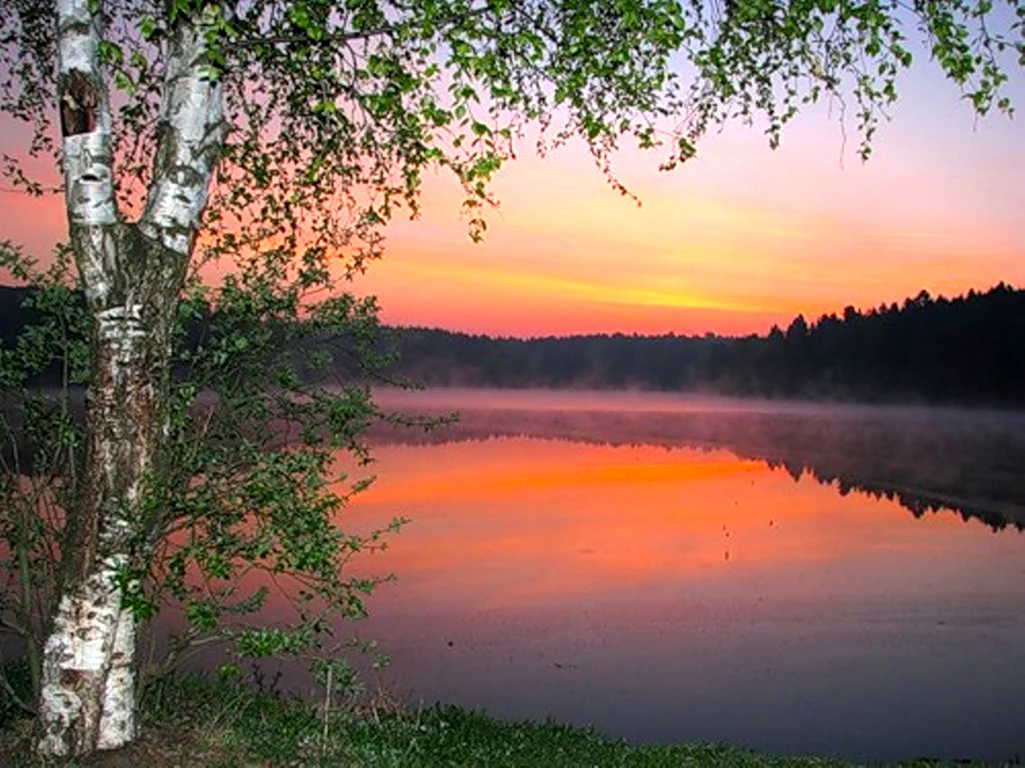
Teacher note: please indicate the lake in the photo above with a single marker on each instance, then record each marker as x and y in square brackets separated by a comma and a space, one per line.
[795, 578]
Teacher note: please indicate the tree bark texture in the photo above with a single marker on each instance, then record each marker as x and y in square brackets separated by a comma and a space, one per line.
[133, 274]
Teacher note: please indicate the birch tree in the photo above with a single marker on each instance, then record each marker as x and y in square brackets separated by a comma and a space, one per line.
[191, 131]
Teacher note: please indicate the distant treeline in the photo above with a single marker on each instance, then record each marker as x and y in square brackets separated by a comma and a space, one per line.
[970, 349]
[600, 361]
[966, 350]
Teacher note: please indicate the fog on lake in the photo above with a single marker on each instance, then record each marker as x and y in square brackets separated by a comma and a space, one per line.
[843, 581]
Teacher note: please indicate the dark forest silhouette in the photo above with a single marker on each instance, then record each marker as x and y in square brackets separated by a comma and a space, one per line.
[969, 350]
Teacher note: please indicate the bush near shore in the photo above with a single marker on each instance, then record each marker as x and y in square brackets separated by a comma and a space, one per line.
[192, 722]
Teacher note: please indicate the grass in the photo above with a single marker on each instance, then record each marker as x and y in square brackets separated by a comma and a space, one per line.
[191, 722]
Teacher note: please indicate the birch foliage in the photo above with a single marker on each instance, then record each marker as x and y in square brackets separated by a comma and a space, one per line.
[264, 145]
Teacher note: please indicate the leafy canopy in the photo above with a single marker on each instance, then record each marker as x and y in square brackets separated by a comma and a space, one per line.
[335, 111]
[336, 108]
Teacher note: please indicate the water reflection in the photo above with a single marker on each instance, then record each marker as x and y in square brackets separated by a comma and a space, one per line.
[926, 459]
[523, 521]
[661, 575]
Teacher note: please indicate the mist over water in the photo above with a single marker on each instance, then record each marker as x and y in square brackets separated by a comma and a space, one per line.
[535, 400]
[962, 460]
[798, 578]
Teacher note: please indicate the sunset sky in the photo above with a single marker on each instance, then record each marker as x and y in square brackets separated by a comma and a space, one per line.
[738, 239]
[741, 238]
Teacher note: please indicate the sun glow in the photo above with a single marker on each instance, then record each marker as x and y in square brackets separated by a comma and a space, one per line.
[738, 239]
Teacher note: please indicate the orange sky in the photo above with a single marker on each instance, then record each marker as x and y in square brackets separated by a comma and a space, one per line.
[738, 239]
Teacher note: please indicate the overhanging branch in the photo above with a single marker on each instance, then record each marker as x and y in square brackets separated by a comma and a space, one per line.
[352, 35]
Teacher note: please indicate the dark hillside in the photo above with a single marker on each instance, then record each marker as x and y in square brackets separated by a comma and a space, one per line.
[969, 350]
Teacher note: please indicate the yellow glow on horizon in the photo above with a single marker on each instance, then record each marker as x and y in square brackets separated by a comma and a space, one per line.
[733, 242]
[536, 286]
[740, 240]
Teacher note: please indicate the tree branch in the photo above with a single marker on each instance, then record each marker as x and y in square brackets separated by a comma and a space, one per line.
[190, 136]
[353, 36]
[87, 154]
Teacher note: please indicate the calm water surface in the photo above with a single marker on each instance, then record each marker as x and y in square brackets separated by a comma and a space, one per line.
[798, 579]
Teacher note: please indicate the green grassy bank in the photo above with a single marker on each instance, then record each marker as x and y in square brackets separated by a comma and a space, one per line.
[189, 722]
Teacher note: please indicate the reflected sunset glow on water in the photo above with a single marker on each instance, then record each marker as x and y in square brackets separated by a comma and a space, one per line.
[695, 591]
[509, 520]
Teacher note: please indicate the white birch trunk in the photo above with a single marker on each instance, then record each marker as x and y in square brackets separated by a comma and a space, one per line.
[192, 134]
[133, 275]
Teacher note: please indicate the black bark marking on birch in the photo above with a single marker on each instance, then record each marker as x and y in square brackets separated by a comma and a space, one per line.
[167, 149]
[78, 102]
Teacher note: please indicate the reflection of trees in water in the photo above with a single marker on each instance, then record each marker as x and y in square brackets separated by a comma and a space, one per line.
[918, 503]
[927, 460]
[924, 460]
